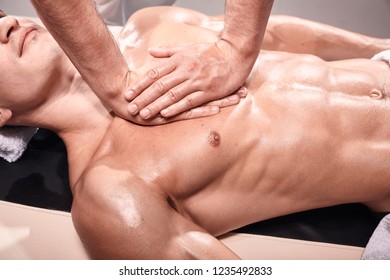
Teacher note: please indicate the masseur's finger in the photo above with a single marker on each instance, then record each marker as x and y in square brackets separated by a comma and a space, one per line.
[190, 101]
[166, 50]
[242, 91]
[147, 80]
[208, 109]
[185, 104]
[149, 96]
[198, 112]
[230, 100]
[184, 92]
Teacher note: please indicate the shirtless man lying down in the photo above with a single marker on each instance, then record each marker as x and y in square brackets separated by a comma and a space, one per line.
[309, 134]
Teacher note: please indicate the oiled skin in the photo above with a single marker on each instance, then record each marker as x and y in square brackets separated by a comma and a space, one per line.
[309, 134]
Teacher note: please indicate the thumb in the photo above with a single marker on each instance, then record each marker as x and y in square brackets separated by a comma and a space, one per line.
[165, 50]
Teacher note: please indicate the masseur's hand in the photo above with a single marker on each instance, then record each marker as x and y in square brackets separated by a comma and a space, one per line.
[194, 74]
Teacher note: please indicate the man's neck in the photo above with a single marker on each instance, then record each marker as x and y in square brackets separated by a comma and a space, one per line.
[83, 124]
[77, 116]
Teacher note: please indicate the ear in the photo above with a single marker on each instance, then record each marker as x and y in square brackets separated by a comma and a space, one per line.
[5, 115]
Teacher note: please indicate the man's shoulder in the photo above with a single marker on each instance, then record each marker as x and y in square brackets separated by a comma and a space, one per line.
[105, 180]
[100, 177]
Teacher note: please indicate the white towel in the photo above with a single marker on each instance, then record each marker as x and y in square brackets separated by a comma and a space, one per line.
[378, 247]
[14, 141]
[385, 56]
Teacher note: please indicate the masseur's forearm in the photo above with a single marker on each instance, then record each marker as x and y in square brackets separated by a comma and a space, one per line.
[245, 24]
[78, 28]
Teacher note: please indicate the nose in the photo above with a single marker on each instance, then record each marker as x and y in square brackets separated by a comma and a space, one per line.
[7, 26]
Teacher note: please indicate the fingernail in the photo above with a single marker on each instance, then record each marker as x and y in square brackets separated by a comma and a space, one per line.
[129, 95]
[164, 112]
[234, 98]
[243, 92]
[145, 113]
[151, 49]
[133, 109]
[215, 109]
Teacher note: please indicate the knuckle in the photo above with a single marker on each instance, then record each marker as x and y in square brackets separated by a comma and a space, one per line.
[159, 85]
[153, 108]
[153, 74]
[188, 114]
[141, 101]
[137, 87]
[192, 66]
[189, 101]
[222, 102]
[173, 95]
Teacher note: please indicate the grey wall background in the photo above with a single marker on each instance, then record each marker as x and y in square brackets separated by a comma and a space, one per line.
[370, 17]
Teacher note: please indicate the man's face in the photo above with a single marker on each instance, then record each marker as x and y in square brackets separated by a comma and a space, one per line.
[29, 61]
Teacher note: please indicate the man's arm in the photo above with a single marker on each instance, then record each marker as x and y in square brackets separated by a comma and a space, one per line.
[80, 31]
[298, 35]
[198, 73]
[119, 217]
[78, 28]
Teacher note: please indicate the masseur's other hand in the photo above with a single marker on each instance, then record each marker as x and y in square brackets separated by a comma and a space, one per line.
[194, 74]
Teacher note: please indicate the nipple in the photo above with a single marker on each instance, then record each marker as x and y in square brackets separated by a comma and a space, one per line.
[214, 139]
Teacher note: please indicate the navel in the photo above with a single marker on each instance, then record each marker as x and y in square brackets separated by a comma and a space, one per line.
[376, 94]
[214, 138]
